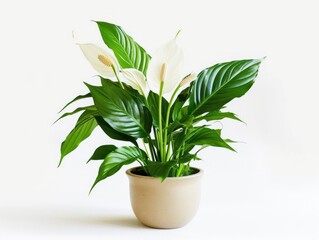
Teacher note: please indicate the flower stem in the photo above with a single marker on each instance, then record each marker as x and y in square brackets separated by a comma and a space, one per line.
[180, 169]
[117, 77]
[167, 120]
[147, 152]
[160, 136]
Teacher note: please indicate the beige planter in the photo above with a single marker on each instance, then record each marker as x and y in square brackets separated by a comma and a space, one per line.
[169, 204]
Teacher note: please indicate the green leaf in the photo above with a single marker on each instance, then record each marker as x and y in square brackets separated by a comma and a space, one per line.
[179, 139]
[76, 99]
[160, 169]
[122, 111]
[206, 136]
[112, 133]
[153, 103]
[220, 115]
[105, 82]
[116, 159]
[219, 84]
[129, 53]
[101, 152]
[179, 103]
[80, 109]
[176, 110]
[82, 130]
[187, 158]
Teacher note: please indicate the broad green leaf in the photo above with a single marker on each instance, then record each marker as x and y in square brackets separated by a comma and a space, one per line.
[106, 82]
[101, 152]
[160, 169]
[219, 84]
[82, 130]
[76, 99]
[112, 133]
[116, 159]
[212, 116]
[122, 111]
[80, 109]
[205, 136]
[129, 53]
[179, 103]
[153, 99]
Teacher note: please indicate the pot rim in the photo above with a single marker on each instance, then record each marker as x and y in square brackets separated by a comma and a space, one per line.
[198, 174]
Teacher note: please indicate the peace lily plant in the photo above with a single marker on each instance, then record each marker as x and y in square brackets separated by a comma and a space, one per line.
[164, 134]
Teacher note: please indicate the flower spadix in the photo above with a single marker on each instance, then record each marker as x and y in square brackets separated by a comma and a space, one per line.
[166, 67]
[101, 60]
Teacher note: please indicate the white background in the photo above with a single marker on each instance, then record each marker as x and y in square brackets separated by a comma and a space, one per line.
[268, 190]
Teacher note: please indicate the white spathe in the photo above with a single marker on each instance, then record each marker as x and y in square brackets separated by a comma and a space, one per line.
[188, 79]
[136, 80]
[100, 59]
[169, 59]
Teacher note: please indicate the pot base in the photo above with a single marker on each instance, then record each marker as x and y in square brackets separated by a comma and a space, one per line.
[164, 205]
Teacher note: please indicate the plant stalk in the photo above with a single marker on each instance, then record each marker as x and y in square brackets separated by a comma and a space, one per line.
[167, 121]
[160, 136]
[117, 77]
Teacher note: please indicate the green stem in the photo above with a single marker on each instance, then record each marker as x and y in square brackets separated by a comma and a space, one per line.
[147, 152]
[152, 149]
[117, 77]
[160, 122]
[150, 144]
[203, 147]
[167, 120]
[157, 144]
[168, 153]
[180, 169]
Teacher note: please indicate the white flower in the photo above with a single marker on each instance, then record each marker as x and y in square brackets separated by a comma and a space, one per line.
[166, 66]
[136, 80]
[101, 60]
[188, 79]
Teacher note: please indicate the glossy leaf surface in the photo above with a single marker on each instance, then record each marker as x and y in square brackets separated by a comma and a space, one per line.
[102, 151]
[206, 136]
[116, 159]
[112, 133]
[122, 111]
[128, 52]
[82, 130]
[219, 84]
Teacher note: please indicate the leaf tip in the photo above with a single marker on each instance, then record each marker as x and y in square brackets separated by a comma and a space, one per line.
[87, 85]
[60, 162]
[177, 34]
[93, 186]
[55, 121]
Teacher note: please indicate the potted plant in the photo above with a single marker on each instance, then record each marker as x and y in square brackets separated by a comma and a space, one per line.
[146, 102]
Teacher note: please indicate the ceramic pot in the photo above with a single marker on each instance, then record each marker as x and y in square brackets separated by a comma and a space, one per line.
[168, 204]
